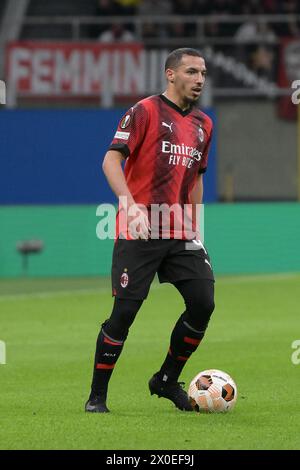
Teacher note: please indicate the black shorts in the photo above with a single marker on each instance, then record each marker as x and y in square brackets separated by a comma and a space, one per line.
[135, 263]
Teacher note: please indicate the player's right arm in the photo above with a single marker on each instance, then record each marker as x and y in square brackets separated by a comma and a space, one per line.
[130, 134]
[112, 168]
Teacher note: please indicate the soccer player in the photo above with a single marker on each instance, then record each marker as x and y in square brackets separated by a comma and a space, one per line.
[165, 141]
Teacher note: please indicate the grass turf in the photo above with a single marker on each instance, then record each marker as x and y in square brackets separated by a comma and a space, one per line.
[50, 328]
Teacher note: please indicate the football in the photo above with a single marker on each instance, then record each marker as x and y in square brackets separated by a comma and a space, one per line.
[212, 390]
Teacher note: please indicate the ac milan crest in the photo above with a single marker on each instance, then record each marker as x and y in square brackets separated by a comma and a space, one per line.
[124, 280]
[201, 134]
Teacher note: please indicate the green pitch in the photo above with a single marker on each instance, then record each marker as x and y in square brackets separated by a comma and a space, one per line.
[50, 328]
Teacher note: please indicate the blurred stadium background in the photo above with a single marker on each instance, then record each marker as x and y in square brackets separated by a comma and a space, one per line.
[71, 68]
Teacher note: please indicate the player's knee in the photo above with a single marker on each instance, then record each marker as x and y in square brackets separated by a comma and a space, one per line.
[115, 330]
[117, 327]
[121, 319]
[200, 308]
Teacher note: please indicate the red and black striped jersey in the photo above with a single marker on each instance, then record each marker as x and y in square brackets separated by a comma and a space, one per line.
[165, 149]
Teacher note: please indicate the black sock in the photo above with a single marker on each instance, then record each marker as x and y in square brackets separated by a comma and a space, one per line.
[107, 353]
[184, 341]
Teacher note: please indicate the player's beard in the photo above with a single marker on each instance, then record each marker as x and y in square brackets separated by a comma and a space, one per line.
[190, 101]
[194, 101]
[187, 95]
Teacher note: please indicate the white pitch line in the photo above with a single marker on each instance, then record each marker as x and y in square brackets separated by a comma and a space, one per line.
[47, 294]
[62, 293]
[256, 278]
[104, 290]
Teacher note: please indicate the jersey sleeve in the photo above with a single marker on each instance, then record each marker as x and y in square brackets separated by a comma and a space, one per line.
[130, 131]
[204, 159]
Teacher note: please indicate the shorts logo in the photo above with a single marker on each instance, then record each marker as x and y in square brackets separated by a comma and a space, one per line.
[124, 279]
[125, 122]
[201, 134]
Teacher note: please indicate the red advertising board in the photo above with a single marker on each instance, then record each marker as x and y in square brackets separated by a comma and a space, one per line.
[39, 69]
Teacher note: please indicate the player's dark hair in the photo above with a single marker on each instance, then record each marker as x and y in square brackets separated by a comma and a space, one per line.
[174, 58]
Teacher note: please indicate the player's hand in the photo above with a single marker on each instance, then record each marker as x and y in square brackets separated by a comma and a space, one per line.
[138, 222]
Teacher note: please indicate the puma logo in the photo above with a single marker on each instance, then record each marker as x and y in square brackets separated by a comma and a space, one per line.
[168, 125]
